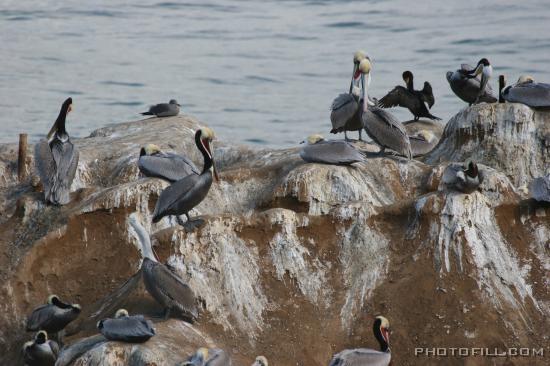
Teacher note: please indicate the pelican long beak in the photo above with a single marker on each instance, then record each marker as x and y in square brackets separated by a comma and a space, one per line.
[53, 130]
[211, 151]
[478, 70]
[353, 77]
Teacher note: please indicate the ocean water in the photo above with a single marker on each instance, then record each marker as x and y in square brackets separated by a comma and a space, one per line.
[258, 72]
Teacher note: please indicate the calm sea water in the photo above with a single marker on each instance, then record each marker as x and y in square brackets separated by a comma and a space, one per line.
[260, 72]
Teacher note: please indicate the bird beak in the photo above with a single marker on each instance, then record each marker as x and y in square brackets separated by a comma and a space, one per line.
[216, 177]
[210, 148]
[478, 70]
[70, 108]
[356, 71]
[52, 131]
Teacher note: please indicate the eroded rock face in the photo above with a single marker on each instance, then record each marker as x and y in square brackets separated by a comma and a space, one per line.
[296, 256]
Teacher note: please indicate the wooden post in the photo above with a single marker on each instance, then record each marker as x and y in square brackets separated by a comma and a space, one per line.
[22, 159]
[501, 85]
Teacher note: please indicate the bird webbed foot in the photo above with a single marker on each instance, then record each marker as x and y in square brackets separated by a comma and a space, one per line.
[191, 225]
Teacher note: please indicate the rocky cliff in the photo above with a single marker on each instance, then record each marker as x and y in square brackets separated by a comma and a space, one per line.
[296, 259]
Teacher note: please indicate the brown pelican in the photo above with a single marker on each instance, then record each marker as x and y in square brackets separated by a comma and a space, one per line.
[126, 328]
[41, 351]
[181, 196]
[367, 356]
[260, 361]
[52, 317]
[57, 159]
[468, 87]
[164, 285]
[418, 102]
[423, 142]
[528, 92]
[208, 357]
[155, 163]
[381, 126]
[346, 109]
[318, 150]
[70, 353]
[169, 109]
[540, 188]
[463, 178]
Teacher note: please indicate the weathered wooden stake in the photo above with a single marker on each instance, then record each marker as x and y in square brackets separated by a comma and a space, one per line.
[501, 85]
[22, 159]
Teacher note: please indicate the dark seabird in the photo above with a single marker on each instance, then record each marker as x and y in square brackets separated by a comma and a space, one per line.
[318, 150]
[75, 350]
[161, 281]
[208, 357]
[528, 92]
[346, 108]
[540, 188]
[183, 195]
[423, 142]
[169, 109]
[467, 86]
[418, 102]
[153, 162]
[52, 317]
[381, 126]
[367, 356]
[41, 351]
[126, 328]
[57, 159]
[463, 178]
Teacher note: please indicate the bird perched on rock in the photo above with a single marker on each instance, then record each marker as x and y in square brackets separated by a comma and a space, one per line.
[423, 142]
[53, 316]
[170, 109]
[126, 328]
[467, 86]
[367, 356]
[56, 159]
[464, 178]
[208, 357]
[418, 102]
[318, 150]
[540, 188]
[41, 351]
[153, 162]
[183, 195]
[528, 92]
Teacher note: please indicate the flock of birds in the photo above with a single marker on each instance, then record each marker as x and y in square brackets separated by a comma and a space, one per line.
[57, 158]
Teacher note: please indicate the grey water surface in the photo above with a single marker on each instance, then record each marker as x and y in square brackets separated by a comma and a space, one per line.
[260, 72]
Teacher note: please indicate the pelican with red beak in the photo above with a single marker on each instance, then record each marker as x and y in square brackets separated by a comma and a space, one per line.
[367, 356]
[183, 195]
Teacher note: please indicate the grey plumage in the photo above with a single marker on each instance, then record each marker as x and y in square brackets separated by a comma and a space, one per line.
[423, 142]
[165, 286]
[386, 131]
[168, 166]
[208, 357]
[467, 88]
[126, 328]
[53, 316]
[346, 114]
[331, 152]
[464, 178]
[361, 357]
[70, 353]
[529, 92]
[170, 109]
[540, 188]
[41, 351]
[57, 160]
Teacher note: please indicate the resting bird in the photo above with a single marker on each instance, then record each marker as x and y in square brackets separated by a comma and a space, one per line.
[209, 357]
[462, 178]
[418, 102]
[57, 159]
[170, 109]
[540, 188]
[468, 87]
[161, 281]
[346, 109]
[318, 150]
[528, 92]
[52, 317]
[260, 361]
[41, 351]
[423, 142]
[381, 126]
[367, 356]
[153, 162]
[181, 196]
[126, 328]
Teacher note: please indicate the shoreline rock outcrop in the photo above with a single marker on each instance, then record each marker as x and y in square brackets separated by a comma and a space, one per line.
[297, 256]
